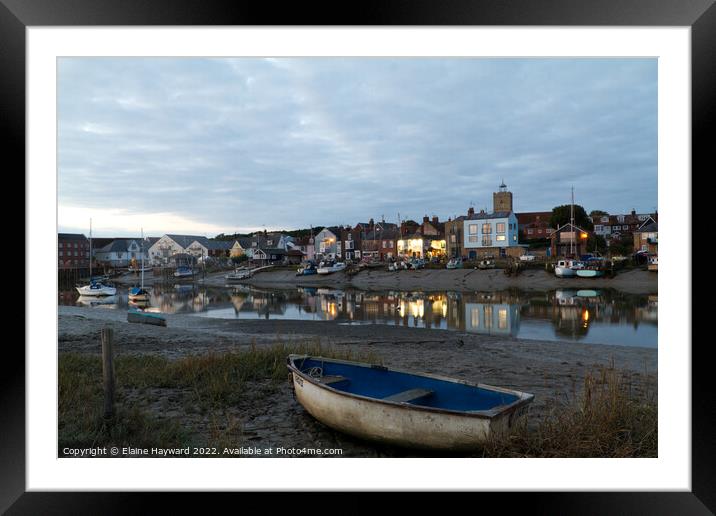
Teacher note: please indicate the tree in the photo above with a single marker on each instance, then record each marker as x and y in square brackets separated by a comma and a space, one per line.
[598, 213]
[560, 216]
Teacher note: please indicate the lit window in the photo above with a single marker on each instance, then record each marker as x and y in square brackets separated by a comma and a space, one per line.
[487, 228]
[475, 317]
[500, 238]
[500, 227]
[473, 229]
[530, 231]
[502, 318]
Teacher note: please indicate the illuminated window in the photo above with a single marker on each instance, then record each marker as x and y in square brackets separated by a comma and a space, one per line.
[487, 228]
[500, 238]
[486, 241]
[502, 318]
[452, 239]
[500, 227]
[473, 229]
[488, 316]
[475, 317]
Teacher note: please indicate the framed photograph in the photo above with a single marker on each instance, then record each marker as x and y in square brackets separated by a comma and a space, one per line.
[426, 238]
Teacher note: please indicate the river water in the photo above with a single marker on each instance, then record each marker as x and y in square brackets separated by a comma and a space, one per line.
[591, 316]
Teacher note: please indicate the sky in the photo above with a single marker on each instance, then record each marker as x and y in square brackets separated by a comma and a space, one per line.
[222, 145]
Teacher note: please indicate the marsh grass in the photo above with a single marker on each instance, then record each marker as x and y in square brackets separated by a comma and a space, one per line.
[210, 384]
[608, 418]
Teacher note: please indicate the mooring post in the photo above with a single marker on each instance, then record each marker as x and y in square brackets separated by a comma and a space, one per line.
[108, 372]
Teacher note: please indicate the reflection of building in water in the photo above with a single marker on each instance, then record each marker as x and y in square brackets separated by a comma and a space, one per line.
[492, 319]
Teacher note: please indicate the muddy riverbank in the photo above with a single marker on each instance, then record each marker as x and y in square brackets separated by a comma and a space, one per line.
[634, 281]
[551, 370]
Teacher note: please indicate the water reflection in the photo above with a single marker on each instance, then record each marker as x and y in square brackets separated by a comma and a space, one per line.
[595, 316]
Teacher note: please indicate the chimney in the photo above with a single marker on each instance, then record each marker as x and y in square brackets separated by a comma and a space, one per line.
[435, 220]
[633, 211]
[470, 211]
[426, 219]
[370, 222]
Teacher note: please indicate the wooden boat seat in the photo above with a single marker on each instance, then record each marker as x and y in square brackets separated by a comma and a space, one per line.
[329, 379]
[409, 395]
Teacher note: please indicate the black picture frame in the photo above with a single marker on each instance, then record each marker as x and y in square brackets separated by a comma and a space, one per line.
[700, 15]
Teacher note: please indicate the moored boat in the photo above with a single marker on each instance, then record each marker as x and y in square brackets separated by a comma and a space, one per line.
[138, 294]
[486, 264]
[401, 407]
[590, 273]
[137, 315]
[96, 289]
[307, 270]
[239, 274]
[183, 272]
[454, 263]
[330, 267]
[653, 264]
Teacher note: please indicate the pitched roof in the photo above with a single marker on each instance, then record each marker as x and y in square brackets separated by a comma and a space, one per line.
[652, 227]
[186, 240]
[118, 245]
[71, 236]
[219, 245]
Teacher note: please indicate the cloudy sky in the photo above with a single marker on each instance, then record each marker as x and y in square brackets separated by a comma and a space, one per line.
[205, 146]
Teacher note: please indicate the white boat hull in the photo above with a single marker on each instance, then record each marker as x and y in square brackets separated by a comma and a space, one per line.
[564, 272]
[95, 292]
[396, 424]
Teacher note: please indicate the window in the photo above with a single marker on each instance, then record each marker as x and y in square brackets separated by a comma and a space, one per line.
[475, 317]
[486, 241]
[550, 231]
[502, 318]
[514, 238]
[605, 219]
[598, 229]
[452, 239]
[500, 227]
[625, 227]
[645, 248]
[473, 239]
[486, 228]
[530, 231]
[500, 238]
[75, 245]
[61, 253]
[620, 218]
[473, 229]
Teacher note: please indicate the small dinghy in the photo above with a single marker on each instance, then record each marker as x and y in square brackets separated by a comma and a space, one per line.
[403, 408]
[137, 315]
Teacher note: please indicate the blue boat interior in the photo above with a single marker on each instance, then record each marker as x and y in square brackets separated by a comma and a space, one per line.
[380, 383]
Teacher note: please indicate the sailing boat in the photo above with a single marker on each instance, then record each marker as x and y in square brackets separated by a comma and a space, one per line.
[95, 288]
[140, 293]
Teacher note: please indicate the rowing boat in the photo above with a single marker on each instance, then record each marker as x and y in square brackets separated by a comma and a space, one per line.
[403, 408]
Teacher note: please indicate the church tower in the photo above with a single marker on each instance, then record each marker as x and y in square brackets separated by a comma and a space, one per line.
[502, 200]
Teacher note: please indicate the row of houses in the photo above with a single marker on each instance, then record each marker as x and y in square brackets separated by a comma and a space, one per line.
[473, 235]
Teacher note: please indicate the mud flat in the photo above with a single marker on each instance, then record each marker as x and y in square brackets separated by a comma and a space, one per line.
[550, 370]
[632, 282]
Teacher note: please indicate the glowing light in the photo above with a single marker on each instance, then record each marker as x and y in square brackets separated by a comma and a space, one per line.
[585, 315]
[583, 235]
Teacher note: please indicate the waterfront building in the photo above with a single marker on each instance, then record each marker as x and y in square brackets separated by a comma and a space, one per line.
[568, 240]
[491, 234]
[119, 252]
[72, 251]
[426, 240]
[646, 238]
[328, 243]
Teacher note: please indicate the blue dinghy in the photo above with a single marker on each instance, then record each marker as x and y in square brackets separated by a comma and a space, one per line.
[403, 408]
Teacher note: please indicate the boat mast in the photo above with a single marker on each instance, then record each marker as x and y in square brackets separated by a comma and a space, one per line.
[142, 251]
[90, 253]
[571, 221]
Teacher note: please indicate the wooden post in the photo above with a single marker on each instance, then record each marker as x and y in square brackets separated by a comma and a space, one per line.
[108, 372]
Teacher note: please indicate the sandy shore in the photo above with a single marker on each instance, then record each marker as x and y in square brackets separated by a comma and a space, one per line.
[550, 370]
[632, 281]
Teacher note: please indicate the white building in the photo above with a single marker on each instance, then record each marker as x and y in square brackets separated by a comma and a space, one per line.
[490, 233]
[119, 252]
[167, 246]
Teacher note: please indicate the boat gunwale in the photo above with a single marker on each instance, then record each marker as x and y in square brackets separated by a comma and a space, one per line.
[524, 398]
